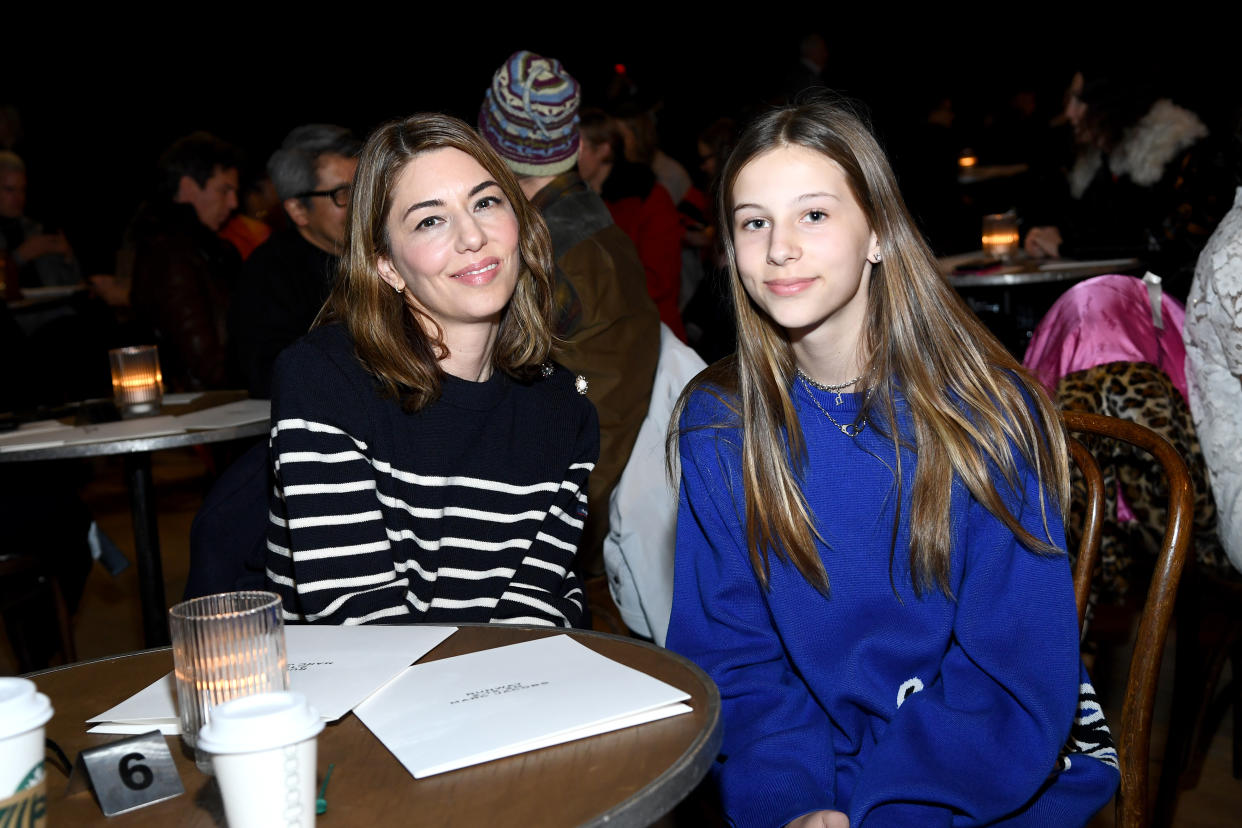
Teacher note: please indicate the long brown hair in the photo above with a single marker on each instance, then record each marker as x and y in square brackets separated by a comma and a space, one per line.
[389, 341]
[968, 399]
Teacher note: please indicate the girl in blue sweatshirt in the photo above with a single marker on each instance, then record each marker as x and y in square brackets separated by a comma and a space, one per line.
[870, 550]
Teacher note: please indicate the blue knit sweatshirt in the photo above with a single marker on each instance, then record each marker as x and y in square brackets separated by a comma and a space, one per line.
[897, 709]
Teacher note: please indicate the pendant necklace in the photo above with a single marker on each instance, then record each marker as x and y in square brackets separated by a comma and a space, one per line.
[849, 429]
[829, 388]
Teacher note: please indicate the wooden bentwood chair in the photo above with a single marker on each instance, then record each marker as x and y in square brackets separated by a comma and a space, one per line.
[1133, 732]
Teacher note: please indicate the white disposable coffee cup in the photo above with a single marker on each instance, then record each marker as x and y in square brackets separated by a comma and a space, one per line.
[263, 751]
[23, 713]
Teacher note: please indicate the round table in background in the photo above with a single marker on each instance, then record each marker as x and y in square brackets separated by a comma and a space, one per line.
[136, 457]
[629, 777]
[1017, 294]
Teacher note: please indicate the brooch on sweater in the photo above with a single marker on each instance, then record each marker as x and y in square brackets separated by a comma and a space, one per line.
[580, 382]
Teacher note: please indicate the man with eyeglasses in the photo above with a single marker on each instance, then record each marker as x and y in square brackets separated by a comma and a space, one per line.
[287, 278]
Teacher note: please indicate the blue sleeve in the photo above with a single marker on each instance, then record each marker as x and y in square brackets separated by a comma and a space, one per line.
[776, 761]
[979, 745]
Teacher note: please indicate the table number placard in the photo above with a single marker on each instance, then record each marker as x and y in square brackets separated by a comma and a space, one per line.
[129, 773]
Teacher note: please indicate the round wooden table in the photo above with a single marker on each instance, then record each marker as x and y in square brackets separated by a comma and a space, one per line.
[628, 777]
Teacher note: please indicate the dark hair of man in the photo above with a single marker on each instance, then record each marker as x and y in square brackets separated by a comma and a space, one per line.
[199, 155]
[399, 350]
[598, 127]
[294, 166]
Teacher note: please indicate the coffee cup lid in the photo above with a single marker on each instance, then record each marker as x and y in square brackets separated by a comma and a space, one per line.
[22, 707]
[259, 722]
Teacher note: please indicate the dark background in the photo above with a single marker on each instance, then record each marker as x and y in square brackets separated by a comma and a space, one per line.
[99, 100]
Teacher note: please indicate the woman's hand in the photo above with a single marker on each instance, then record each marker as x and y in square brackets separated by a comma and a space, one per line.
[821, 819]
[1043, 242]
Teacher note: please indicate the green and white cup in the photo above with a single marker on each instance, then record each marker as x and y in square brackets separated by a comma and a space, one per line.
[23, 791]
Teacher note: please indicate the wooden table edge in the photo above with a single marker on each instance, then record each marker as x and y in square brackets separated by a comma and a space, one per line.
[643, 807]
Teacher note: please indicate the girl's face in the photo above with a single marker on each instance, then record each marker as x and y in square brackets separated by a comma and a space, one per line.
[453, 238]
[804, 248]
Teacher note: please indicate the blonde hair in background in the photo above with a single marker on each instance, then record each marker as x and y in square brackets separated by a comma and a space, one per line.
[389, 341]
[969, 401]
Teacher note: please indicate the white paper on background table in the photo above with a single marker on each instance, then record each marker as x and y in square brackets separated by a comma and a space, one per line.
[43, 434]
[469, 709]
[335, 667]
[241, 412]
[38, 434]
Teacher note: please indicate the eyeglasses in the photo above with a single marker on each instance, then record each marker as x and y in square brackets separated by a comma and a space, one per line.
[339, 195]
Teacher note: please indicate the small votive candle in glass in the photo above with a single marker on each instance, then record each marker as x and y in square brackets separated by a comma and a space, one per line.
[225, 646]
[1000, 235]
[137, 384]
[966, 161]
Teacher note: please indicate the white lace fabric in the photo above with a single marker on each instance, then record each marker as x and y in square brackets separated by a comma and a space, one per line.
[1213, 335]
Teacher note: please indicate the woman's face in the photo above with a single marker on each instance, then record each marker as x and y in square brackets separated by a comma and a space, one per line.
[803, 245]
[1075, 109]
[453, 237]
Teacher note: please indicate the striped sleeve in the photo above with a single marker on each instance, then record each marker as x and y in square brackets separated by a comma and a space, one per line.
[328, 552]
[544, 589]
[329, 556]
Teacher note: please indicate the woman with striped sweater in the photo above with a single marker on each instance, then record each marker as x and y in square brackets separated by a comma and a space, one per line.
[430, 463]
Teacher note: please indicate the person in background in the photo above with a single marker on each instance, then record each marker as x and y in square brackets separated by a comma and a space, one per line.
[42, 516]
[870, 524]
[41, 258]
[183, 273]
[430, 463]
[1148, 181]
[810, 72]
[245, 230]
[608, 326]
[640, 205]
[637, 126]
[708, 312]
[285, 283]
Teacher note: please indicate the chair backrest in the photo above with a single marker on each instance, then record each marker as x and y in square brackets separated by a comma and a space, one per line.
[1134, 734]
[1092, 525]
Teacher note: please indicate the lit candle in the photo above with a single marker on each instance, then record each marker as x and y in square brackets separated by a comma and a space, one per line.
[137, 383]
[1000, 235]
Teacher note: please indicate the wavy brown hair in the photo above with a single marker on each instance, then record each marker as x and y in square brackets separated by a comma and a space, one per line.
[396, 347]
[969, 400]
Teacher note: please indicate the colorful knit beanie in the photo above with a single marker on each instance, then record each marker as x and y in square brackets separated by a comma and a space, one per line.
[530, 115]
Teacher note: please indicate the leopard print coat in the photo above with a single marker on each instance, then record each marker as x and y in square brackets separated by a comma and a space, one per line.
[1141, 393]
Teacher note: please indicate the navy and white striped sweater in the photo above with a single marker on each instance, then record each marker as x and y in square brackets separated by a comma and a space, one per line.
[469, 510]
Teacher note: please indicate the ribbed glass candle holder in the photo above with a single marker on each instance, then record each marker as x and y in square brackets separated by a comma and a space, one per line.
[225, 646]
[137, 382]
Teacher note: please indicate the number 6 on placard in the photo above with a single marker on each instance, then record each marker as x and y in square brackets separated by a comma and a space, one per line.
[128, 773]
[136, 777]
